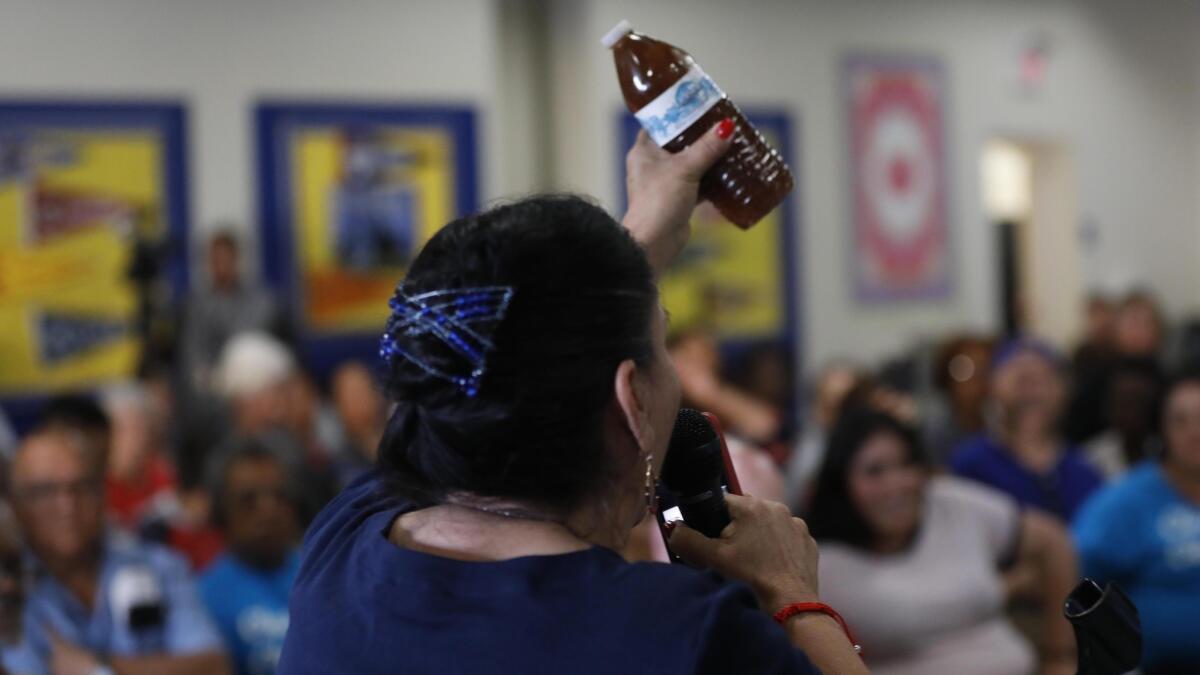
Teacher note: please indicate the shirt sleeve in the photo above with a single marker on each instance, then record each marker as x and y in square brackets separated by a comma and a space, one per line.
[993, 514]
[21, 659]
[741, 638]
[189, 628]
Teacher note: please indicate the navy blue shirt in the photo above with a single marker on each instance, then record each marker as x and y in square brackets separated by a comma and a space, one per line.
[1061, 491]
[363, 605]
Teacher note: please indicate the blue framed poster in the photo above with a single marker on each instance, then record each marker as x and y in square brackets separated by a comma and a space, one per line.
[84, 188]
[349, 195]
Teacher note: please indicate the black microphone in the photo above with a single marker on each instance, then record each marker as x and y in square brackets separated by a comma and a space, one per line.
[694, 471]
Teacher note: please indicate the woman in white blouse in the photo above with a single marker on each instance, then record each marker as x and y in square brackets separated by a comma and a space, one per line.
[916, 562]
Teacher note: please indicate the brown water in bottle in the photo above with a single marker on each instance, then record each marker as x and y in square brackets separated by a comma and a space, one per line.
[752, 178]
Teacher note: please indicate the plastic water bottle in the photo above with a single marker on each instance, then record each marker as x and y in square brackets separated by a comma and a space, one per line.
[676, 103]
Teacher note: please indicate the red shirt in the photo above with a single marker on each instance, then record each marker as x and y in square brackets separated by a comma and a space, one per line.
[128, 499]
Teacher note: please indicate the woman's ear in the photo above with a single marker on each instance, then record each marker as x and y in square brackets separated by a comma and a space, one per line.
[630, 401]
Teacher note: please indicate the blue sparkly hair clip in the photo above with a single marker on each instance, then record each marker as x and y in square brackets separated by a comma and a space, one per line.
[452, 316]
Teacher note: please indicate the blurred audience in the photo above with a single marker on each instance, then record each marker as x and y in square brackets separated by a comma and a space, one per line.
[874, 394]
[269, 397]
[98, 598]
[1138, 327]
[865, 391]
[188, 529]
[229, 467]
[915, 561]
[750, 424]
[1131, 329]
[960, 377]
[255, 378]
[1144, 534]
[228, 306]
[1098, 323]
[767, 371]
[1132, 399]
[82, 414]
[362, 412]
[246, 589]
[698, 363]
[833, 384]
[1023, 453]
[140, 478]
[312, 423]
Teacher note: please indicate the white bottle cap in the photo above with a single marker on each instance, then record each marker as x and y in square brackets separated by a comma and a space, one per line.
[619, 31]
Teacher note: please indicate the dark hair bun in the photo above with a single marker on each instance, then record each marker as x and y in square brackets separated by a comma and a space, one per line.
[582, 303]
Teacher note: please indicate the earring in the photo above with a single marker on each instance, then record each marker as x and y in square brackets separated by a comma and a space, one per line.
[651, 496]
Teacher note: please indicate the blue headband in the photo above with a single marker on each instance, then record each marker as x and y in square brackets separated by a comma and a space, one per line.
[453, 316]
[1017, 346]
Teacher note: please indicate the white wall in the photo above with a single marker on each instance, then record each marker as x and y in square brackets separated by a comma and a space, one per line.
[220, 56]
[1120, 95]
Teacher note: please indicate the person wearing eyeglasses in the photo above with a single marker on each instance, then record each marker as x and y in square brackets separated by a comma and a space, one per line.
[99, 602]
[246, 589]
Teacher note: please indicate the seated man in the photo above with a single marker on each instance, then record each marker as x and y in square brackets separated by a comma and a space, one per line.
[254, 501]
[98, 602]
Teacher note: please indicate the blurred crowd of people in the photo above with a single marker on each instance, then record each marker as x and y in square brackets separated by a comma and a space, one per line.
[958, 495]
[153, 526]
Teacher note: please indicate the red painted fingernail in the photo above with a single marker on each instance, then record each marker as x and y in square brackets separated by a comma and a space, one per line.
[725, 128]
[669, 527]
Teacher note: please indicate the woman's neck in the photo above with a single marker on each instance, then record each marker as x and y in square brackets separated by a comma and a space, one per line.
[892, 544]
[497, 532]
[1037, 451]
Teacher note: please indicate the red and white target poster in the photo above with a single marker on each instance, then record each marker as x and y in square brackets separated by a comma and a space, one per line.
[898, 178]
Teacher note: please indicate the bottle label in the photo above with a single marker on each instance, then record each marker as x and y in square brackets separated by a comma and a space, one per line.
[677, 108]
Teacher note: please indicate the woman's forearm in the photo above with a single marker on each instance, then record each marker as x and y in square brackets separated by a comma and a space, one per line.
[825, 644]
[1049, 548]
[1060, 570]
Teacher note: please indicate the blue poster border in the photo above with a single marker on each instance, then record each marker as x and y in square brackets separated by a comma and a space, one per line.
[273, 119]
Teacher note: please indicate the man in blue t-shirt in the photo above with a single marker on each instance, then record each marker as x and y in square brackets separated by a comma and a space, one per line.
[246, 589]
[1024, 455]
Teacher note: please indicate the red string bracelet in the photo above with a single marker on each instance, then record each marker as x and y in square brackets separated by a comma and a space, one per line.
[820, 608]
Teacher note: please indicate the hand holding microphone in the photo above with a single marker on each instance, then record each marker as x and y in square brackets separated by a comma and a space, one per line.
[744, 538]
[764, 547]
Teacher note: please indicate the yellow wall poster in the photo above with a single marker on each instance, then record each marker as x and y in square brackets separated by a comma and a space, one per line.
[80, 187]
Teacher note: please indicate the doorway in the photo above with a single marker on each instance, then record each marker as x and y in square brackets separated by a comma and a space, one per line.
[1029, 198]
